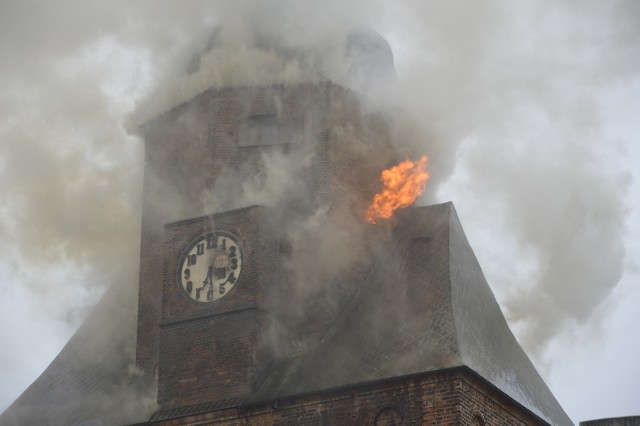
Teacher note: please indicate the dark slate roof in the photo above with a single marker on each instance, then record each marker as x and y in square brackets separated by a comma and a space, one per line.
[425, 306]
[614, 421]
[91, 381]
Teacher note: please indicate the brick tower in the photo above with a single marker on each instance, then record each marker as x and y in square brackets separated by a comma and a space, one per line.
[187, 151]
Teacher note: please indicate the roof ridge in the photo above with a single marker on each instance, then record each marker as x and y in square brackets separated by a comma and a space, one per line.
[451, 212]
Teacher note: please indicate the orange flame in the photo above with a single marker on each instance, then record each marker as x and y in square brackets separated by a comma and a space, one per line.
[402, 185]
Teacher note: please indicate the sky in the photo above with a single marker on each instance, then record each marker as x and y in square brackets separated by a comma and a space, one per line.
[526, 111]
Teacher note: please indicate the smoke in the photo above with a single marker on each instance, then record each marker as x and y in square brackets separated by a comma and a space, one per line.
[70, 209]
[533, 154]
[504, 98]
[507, 99]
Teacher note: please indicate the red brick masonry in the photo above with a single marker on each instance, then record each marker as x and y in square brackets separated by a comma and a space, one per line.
[449, 397]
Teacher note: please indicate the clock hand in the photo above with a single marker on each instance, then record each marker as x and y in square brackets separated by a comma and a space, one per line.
[209, 277]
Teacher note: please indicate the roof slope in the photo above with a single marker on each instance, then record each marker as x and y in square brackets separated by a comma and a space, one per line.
[425, 306]
[91, 381]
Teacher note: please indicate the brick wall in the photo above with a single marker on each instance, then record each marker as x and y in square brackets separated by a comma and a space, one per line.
[450, 397]
[209, 358]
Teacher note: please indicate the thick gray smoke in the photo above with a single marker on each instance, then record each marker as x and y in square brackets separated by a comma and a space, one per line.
[503, 97]
[535, 162]
[491, 98]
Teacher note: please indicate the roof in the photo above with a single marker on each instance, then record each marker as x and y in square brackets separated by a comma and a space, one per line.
[92, 381]
[425, 306]
[613, 421]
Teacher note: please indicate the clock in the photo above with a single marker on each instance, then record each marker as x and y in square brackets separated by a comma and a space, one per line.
[210, 266]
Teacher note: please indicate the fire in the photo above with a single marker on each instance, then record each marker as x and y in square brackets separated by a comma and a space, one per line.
[402, 185]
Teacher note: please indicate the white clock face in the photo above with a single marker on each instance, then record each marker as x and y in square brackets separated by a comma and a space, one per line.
[210, 267]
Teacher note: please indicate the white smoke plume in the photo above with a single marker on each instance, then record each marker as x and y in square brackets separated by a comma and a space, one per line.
[504, 97]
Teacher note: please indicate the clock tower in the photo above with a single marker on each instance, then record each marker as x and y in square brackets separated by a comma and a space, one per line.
[213, 265]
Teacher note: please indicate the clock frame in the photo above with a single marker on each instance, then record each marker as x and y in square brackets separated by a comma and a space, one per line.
[210, 266]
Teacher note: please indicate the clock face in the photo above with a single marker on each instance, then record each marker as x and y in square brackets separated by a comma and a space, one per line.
[210, 267]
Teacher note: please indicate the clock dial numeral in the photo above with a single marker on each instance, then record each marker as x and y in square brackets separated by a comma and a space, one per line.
[212, 242]
[221, 290]
[232, 251]
[210, 294]
[200, 249]
[187, 274]
[189, 287]
[232, 278]
[198, 290]
[234, 264]
[192, 259]
[224, 244]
